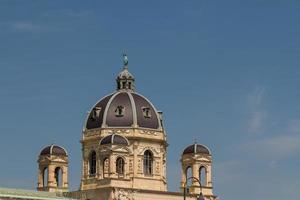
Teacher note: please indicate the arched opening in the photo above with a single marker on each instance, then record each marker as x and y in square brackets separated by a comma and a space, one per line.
[45, 176]
[120, 166]
[105, 165]
[58, 176]
[202, 175]
[188, 174]
[92, 164]
[148, 163]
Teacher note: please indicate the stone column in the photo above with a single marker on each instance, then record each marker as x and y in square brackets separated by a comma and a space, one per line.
[195, 172]
[100, 168]
[112, 168]
[126, 167]
[135, 159]
[97, 165]
[208, 176]
[183, 175]
[51, 176]
[65, 177]
[40, 177]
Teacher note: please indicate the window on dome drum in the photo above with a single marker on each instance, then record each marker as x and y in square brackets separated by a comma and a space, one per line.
[120, 166]
[92, 163]
[45, 176]
[58, 176]
[119, 112]
[202, 175]
[148, 163]
[146, 112]
[129, 85]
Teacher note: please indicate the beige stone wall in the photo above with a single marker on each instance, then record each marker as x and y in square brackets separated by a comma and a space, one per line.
[140, 140]
[106, 184]
[130, 194]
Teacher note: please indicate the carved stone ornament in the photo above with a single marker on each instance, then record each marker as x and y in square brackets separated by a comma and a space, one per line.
[120, 148]
[153, 149]
[139, 165]
[130, 165]
[121, 194]
[119, 131]
[157, 167]
[147, 132]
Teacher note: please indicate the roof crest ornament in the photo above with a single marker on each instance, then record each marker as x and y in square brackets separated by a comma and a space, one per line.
[195, 145]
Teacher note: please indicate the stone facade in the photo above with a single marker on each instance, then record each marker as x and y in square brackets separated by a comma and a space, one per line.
[132, 194]
[140, 140]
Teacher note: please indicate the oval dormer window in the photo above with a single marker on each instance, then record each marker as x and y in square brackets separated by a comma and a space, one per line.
[120, 110]
[95, 113]
[146, 112]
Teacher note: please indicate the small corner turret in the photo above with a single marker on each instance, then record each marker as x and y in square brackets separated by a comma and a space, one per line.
[53, 169]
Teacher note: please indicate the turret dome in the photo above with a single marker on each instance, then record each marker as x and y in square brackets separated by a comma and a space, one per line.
[196, 149]
[53, 150]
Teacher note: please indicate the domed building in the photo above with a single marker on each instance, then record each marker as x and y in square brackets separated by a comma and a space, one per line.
[123, 141]
[124, 148]
[124, 152]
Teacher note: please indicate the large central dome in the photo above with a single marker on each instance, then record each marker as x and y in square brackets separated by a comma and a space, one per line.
[124, 107]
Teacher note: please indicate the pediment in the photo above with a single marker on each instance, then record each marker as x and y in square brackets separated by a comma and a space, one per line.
[142, 149]
[116, 148]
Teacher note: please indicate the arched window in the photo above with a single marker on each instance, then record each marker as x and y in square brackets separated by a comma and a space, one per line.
[202, 175]
[58, 176]
[188, 174]
[148, 162]
[45, 176]
[92, 163]
[105, 165]
[120, 166]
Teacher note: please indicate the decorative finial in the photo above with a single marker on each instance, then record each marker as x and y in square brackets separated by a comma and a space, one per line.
[195, 141]
[195, 145]
[125, 60]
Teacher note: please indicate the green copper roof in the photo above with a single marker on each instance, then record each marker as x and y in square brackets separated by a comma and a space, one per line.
[30, 194]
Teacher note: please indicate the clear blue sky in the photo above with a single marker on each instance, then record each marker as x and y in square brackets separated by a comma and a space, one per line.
[224, 72]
